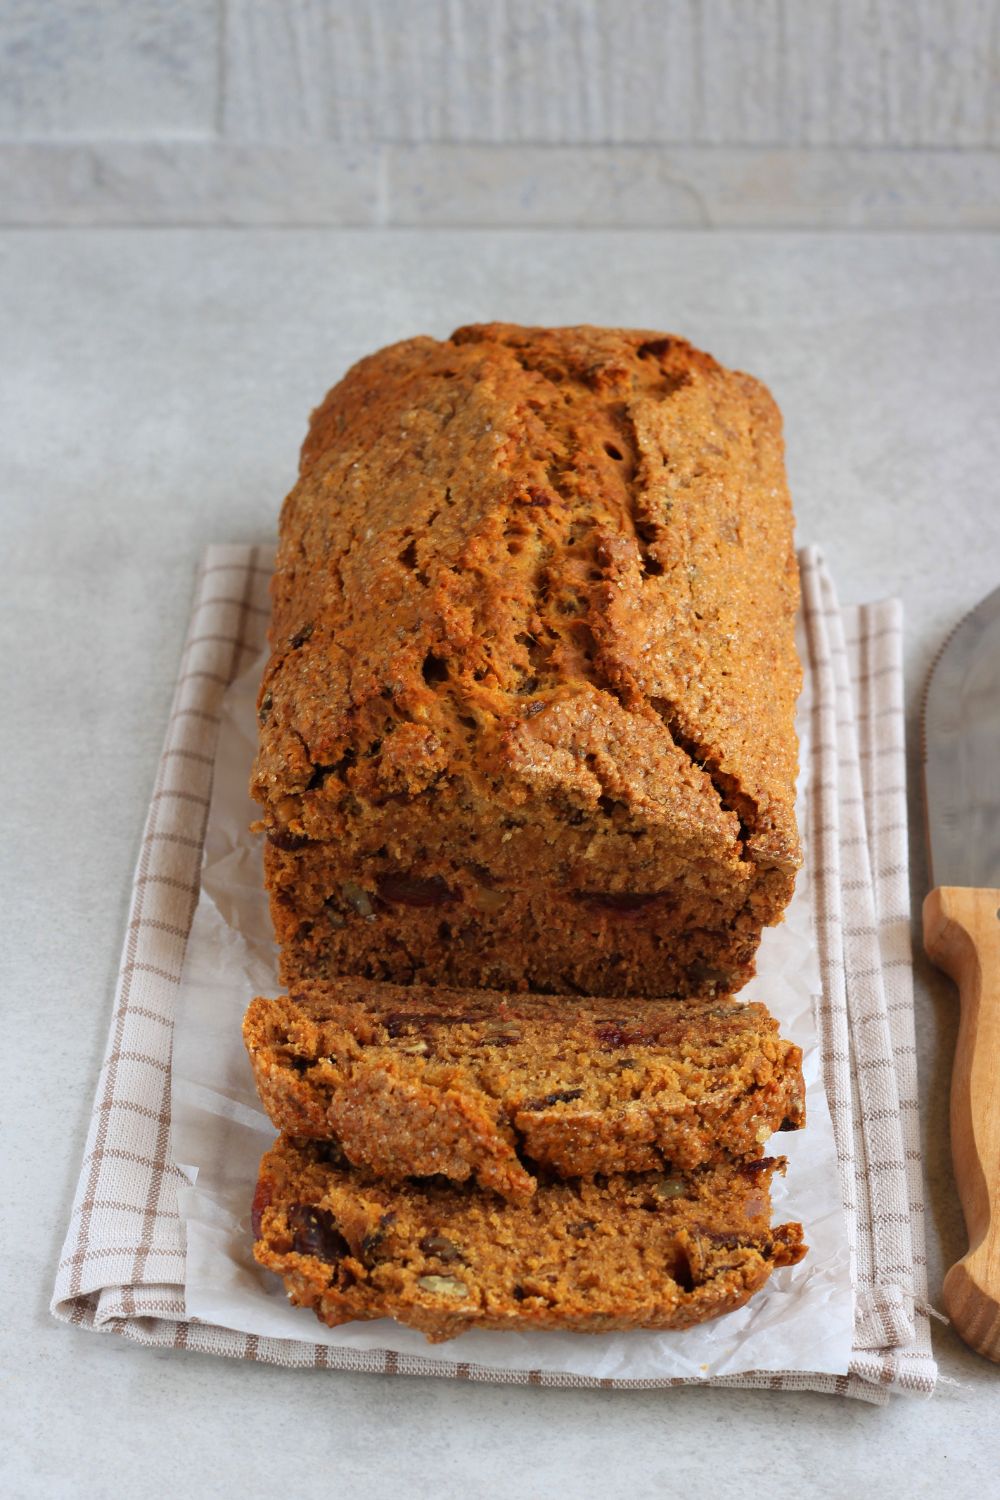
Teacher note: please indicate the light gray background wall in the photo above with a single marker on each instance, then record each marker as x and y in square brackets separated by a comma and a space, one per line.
[861, 113]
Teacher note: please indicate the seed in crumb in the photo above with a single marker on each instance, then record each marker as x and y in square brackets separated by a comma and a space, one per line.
[443, 1286]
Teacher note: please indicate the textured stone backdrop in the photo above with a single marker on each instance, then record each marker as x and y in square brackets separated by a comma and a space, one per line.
[655, 112]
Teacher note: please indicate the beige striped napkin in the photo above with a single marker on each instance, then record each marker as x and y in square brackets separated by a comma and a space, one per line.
[122, 1267]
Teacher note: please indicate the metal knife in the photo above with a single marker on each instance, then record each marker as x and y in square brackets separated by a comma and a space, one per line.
[961, 746]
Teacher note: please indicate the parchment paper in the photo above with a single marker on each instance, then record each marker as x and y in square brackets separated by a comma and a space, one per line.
[802, 1320]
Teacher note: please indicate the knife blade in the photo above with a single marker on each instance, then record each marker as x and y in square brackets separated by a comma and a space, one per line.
[961, 744]
[961, 915]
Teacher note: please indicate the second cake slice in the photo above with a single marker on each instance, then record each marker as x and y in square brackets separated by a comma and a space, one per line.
[587, 1256]
[465, 1083]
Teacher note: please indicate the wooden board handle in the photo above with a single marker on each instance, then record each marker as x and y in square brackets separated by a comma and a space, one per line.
[962, 937]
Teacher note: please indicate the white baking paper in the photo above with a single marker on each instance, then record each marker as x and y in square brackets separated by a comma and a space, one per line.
[802, 1320]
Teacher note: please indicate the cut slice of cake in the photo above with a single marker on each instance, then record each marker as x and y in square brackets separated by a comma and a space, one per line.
[590, 1255]
[475, 1084]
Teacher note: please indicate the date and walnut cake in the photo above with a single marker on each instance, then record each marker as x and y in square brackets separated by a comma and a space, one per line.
[526, 767]
[498, 1087]
[528, 718]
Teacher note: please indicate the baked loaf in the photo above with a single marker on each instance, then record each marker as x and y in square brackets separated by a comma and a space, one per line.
[587, 1256]
[528, 720]
[422, 1081]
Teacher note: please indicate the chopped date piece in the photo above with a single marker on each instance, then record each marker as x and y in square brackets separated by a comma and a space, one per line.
[756, 1168]
[403, 1022]
[410, 890]
[620, 1034]
[283, 838]
[618, 901]
[314, 1232]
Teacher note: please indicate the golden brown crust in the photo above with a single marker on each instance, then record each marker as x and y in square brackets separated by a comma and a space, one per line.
[422, 1081]
[583, 1256]
[533, 660]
